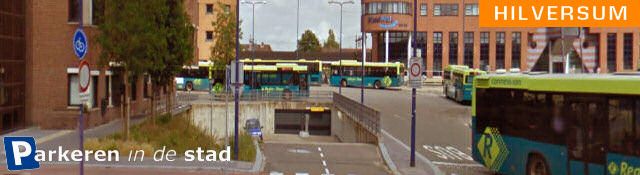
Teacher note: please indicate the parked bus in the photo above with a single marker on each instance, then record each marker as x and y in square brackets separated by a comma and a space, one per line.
[314, 67]
[283, 79]
[377, 75]
[195, 77]
[447, 84]
[462, 83]
[557, 124]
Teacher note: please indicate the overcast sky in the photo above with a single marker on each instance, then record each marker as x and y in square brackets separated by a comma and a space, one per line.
[276, 22]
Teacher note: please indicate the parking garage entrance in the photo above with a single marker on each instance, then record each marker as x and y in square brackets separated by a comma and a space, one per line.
[293, 121]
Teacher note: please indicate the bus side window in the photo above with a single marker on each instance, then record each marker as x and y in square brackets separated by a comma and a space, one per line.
[621, 125]
[637, 128]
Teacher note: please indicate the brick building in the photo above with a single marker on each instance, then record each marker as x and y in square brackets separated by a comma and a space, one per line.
[449, 33]
[207, 11]
[38, 68]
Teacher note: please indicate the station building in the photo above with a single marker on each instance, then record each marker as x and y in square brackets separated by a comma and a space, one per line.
[38, 67]
[449, 33]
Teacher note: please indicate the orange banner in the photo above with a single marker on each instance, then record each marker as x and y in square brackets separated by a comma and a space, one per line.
[559, 13]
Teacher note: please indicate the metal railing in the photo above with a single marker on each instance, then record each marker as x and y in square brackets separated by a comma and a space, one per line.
[367, 117]
[258, 95]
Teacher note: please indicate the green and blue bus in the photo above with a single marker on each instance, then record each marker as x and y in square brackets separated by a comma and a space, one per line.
[286, 80]
[462, 84]
[195, 77]
[557, 124]
[377, 75]
[314, 67]
[447, 79]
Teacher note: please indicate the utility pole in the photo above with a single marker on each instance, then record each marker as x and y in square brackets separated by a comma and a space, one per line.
[340, 54]
[412, 163]
[237, 83]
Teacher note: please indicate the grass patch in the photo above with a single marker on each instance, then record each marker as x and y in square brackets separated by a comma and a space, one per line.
[175, 132]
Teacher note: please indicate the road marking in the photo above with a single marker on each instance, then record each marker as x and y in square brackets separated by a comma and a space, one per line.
[457, 164]
[469, 148]
[324, 163]
[275, 173]
[319, 149]
[301, 151]
[447, 152]
[321, 155]
[302, 173]
[326, 170]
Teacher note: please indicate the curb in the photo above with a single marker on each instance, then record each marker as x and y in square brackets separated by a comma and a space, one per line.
[435, 168]
[258, 163]
[387, 159]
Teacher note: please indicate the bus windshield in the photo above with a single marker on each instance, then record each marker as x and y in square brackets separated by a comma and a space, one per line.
[469, 79]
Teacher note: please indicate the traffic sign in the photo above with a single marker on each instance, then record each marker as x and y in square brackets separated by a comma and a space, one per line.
[84, 74]
[415, 70]
[80, 43]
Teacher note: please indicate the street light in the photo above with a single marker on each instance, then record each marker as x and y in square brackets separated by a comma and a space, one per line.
[253, 35]
[340, 55]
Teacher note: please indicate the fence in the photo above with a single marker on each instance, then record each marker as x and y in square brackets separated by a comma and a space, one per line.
[260, 95]
[367, 117]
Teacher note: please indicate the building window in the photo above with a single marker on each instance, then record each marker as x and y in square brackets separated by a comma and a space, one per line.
[134, 89]
[227, 8]
[423, 9]
[445, 10]
[437, 53]
[611, 52]
[209, 9]
[398, 42]
[516, 47]
[484, 51]
[387, 8]
[74, 90]
[500, 44]
[471, 10]
[628, 51]
[468, 49]
[97, 12]
[453, 48]
[74, 10]
[209, 36]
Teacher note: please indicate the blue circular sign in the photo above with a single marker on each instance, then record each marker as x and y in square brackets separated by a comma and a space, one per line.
[80, 44]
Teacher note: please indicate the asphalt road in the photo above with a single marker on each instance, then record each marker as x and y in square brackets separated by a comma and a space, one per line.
[443, 127]
[319, 158]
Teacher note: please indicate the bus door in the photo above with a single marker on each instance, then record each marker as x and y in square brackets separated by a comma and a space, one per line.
[586, 128]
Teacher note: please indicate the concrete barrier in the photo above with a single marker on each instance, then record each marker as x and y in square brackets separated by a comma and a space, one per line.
[352, 122]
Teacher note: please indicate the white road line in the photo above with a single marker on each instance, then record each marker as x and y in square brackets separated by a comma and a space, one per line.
[321, 155]
[319, 149]
[324, 163]
[302, 173]
[275, 173]
[457, 164]
[326, 170]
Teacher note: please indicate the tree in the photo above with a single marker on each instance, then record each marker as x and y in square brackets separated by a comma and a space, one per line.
[224, 34]
[309, 42]
[178, 50]
[331, 41]
[143, 36]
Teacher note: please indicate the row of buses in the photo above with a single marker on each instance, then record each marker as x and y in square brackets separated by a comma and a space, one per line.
[376, 75]
[457, 82]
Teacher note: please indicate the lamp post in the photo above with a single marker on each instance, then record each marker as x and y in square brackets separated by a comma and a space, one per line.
[340, 54]
[298, 31]
[253, 35]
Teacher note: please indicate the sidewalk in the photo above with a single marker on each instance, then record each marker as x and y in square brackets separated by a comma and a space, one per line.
[398, 152]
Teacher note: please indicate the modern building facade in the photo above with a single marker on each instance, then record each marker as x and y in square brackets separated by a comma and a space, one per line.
[207, 12]
[38, 67]
[449, 33]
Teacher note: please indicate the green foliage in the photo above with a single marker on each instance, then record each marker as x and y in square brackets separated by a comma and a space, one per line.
[246, 146]
[224, 38]
[143, 36]
[309, 42]
[331, 41]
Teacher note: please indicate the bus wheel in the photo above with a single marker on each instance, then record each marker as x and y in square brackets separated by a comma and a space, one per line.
[343, 83]
[189, 86]
[536, 165]
[377, 85]
[287, 95]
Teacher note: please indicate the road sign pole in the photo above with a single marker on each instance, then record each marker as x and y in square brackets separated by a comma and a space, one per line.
[235, 143]
[81, 119]
[412, 163]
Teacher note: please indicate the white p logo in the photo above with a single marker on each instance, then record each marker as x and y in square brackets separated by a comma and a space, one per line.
[19, 154]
